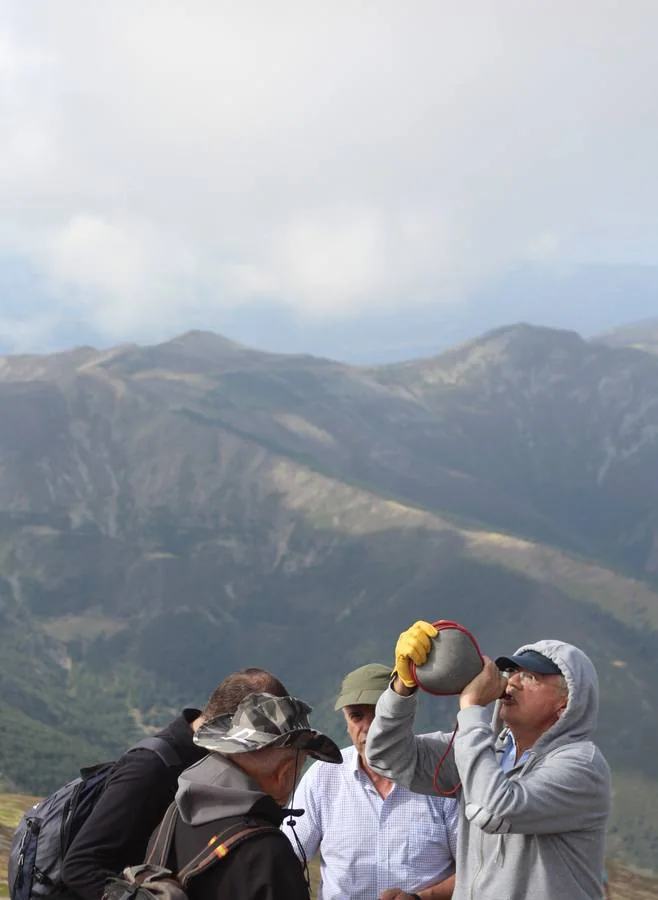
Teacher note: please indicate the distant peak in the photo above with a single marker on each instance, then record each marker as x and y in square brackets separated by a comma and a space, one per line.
[525, 330]
[518, 339]
[204, 339]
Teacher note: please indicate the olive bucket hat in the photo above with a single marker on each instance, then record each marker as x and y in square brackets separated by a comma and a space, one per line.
[263, 720]
[364, 685]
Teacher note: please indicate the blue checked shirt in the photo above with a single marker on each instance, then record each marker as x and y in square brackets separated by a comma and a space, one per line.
[368, 844]
[508, 759]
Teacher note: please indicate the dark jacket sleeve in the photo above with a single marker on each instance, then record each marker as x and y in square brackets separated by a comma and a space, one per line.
[116, 833]
[263, 868]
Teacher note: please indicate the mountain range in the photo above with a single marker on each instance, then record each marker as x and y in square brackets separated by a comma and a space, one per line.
[585, 297]
[171, 513]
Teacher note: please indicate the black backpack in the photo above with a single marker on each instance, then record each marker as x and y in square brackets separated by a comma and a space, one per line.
[154, 881]
[47, 830]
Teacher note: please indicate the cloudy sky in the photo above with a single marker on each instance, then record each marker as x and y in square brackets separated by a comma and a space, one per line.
[164, 164]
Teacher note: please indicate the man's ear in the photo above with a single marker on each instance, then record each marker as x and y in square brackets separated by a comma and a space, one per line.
[285, 770]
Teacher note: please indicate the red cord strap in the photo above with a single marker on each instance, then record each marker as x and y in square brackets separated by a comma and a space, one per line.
[450, 792]
[443, 625]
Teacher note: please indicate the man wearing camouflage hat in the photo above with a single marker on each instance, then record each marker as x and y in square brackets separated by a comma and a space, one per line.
[376, 839]
[255, 756]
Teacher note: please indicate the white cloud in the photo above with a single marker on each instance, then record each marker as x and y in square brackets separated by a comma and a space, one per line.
[158, 156]
[94, 254]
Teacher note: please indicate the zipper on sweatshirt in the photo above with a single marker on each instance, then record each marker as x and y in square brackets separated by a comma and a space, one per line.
[480, 865]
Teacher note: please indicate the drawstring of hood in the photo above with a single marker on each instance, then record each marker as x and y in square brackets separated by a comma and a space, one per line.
[292, 824]
[527, 765]
[499, 857]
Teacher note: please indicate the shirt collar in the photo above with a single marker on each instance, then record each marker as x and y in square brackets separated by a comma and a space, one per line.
[510, 749]
[355, 762]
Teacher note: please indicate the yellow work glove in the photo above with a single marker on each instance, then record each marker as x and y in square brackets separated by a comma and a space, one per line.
[413, 644]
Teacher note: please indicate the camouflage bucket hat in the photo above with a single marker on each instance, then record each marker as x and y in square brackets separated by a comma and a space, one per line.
[263, 720]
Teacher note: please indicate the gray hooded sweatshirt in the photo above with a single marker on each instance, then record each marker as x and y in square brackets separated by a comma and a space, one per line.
[536, 832]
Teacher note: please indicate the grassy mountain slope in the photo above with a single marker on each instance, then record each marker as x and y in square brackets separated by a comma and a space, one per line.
[171, 513]
[561, 420]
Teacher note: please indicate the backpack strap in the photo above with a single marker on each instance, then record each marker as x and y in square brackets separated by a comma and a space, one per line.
[218, 849]
[159, 851]
[162, 748]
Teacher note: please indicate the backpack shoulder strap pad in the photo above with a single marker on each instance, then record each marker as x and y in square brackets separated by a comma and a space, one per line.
[162, 748]
[159, 852]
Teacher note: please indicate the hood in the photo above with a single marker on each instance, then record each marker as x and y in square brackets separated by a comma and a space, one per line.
[578, 721]
[215, 788]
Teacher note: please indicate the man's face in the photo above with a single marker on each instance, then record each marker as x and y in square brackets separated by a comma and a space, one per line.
[358, 719]
[533, 701]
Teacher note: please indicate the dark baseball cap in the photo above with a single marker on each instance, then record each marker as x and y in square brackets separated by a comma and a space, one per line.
[263, 720]
[529, 660]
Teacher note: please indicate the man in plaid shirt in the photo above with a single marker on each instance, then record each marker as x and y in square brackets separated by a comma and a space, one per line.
[377, 839]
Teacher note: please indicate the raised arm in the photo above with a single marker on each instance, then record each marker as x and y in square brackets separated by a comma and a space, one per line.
[393, 750]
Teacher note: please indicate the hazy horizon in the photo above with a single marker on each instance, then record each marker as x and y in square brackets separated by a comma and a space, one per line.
[359, 180]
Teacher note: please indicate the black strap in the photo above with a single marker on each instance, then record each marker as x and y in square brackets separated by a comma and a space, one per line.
[159, 853]
[218, 849]
[162, 748]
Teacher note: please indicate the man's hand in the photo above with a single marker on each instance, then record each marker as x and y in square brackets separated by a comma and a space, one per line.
[486, 687]
[413, 644]
[442, 890]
